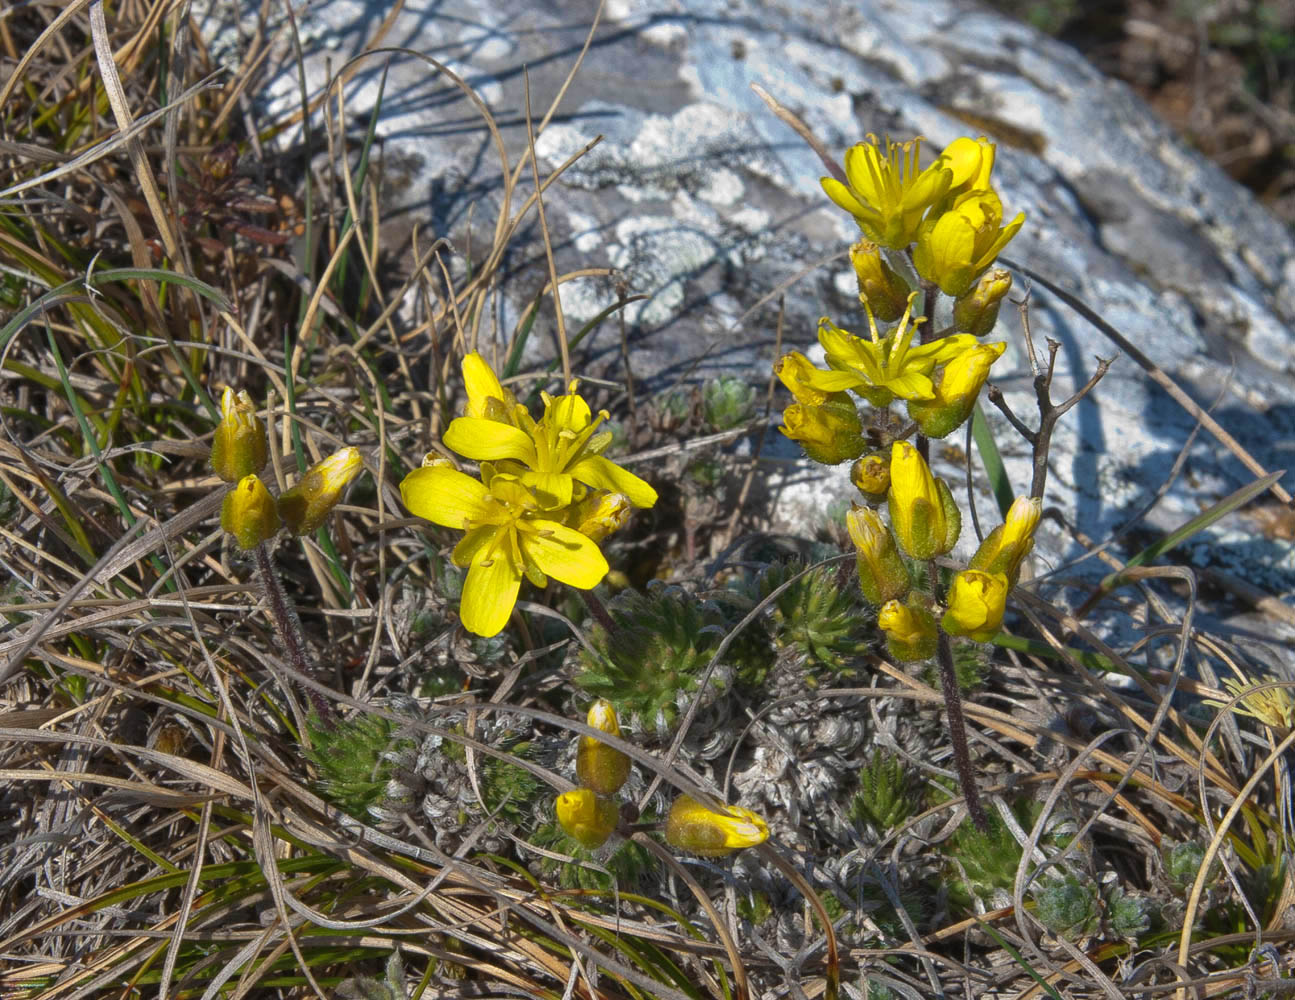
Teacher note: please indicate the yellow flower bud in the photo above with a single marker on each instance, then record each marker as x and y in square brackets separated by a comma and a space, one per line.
[599, 766]
[796, 372]
[880, 287]
[240, 446]
[587, 816]
[871, 476]
[487, 398]
[600, 514]
[1005, 548]
[922, 510]
[956, 390]
[831, 433]
[977, 311]
[249, 514]
[692, 827]
[976, 602]
[910, 630]
[883, 574]
[304, 507]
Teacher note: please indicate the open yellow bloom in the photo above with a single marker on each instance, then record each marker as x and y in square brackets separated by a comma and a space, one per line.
[692, 827]
[507, 537]
[549, 455]
[887, 193]
[884, 367]
[976, 602]
[955, 247]
[587, 816]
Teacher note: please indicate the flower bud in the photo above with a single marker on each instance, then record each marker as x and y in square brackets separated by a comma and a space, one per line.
[977, 311]
[304, 507]
[1005, 548]
[599, 766]
[600, 514]
[796, 372]
[976, 602]
[880, 287]
[587, 816]
[871, 476]
[249, 513]
[240, 446]
[956, 390]
[487, 399]
[883, 575]
[830, 433]
[692, 827]
[910, 630]
[922, 510]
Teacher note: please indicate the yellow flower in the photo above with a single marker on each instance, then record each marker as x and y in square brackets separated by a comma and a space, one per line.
[976, 312]
[304, 506]
[884, 291]
[970, 162]
[883, 576]
[587, 816]
[922, 510]
[1272, 706]
[955, 247]
[796, 371]
[884, 367]
[507, 537]
[1005, 548]
[600, 514]
[599, 766]
[956, 390]
[887, 193]
[831, 433]
[976, 602]
[249, 514]
[240, 446]
[549, 455]
[487, 398]
[910, 631]
[692, 827]
[871, 476]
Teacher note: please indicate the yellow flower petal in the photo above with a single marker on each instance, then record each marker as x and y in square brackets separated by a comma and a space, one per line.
[489, 594]
[482, 385]
[604, 474]
[564, 554]
[489, 441]
[443, 495]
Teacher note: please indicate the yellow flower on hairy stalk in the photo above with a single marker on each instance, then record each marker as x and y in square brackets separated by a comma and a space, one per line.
[880, 287]
[304, 506]
[954, 247]
[886, 191]
[910, 630]
[975, 604]
[830, 433]
[508, 536]
[882, 368]
[551, 455]
[883, 575]
[1005, 548]
[1273, 706]
[240, 446]
[691, 827]
[957, 387]
[976, 312]
[587, 816]
[599, 766]
[923, 513]
[248, 512]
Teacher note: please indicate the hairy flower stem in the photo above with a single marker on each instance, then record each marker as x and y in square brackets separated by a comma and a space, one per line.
[958, 734]
[598, 610]
[288, 624]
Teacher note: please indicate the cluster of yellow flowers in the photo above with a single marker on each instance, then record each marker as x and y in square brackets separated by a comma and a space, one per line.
[943, 226]
[545, 499]
[590, 814]
[239, 450]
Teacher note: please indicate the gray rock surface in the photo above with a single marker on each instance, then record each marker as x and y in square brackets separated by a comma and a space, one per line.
[708, 203]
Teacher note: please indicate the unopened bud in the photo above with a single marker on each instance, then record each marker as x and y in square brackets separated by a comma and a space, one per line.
[884, 291]
[923, 513]
[692, 827]
[957, 388]
[871, 476]
[1005, 548]
[587, 816]
[599, 766]
[249, 513]
[977, 311]
[976, 602]
[240, 446]
[883, 575]
[830, 433]
[600, 514]
[910, 630]
[305, 506]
